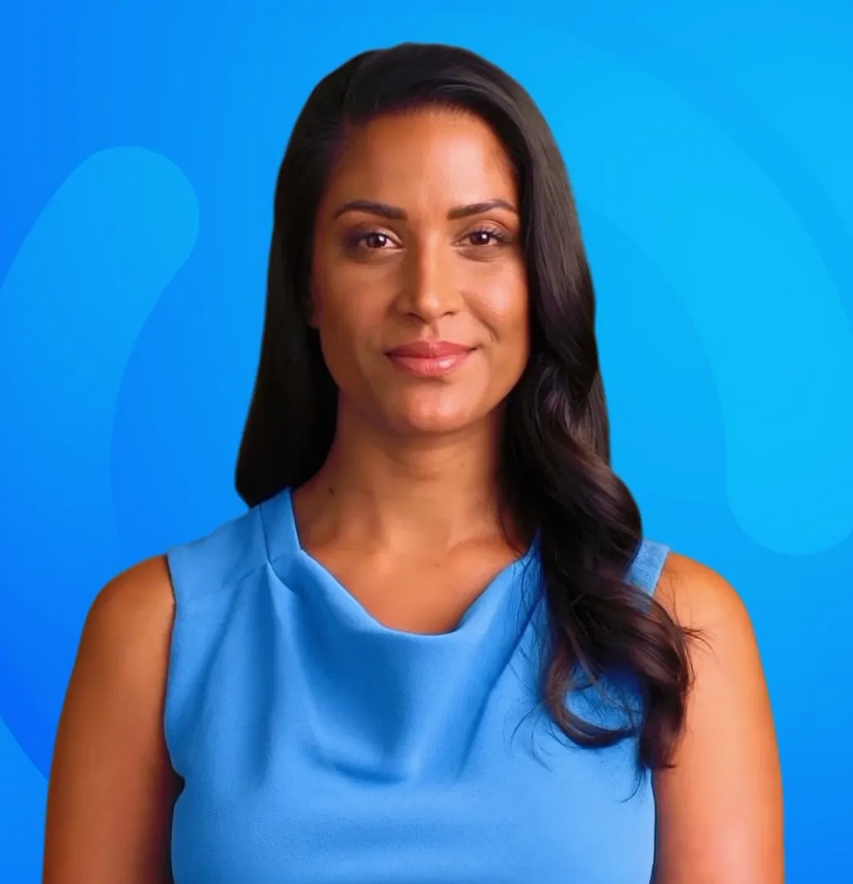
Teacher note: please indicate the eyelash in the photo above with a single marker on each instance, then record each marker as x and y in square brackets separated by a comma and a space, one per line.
[358, 240]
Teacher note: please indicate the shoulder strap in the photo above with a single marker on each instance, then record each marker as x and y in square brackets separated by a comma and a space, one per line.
[205, 574]
[646, 568]
[218, 559]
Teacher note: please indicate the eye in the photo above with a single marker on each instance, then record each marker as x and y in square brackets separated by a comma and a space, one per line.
[376, 240]
[373, 240]
[485, 236]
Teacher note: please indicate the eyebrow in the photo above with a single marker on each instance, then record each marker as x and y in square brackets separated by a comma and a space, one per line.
[383, 210]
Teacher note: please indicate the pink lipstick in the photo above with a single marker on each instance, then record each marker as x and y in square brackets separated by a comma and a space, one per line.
[429, 359]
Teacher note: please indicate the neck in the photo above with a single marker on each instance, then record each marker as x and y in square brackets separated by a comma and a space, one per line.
[398, 493]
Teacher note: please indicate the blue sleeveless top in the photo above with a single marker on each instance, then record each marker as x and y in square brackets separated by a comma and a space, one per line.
[318, 746]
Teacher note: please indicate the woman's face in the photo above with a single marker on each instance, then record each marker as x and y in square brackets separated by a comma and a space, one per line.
[417, 243]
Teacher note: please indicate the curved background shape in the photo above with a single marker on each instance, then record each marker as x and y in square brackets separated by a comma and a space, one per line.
[22, 803]
[85, 279]
[709, 147]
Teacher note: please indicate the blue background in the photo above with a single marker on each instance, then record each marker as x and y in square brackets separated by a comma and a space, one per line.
[710, 147]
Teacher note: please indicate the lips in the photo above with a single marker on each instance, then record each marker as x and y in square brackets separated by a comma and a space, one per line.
[429, 359]
[429, 350]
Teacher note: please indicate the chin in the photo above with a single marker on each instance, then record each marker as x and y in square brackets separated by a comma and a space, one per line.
[431, 427]
[434, 422]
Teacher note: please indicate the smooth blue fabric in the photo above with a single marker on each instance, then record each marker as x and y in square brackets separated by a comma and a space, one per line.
[321, 747]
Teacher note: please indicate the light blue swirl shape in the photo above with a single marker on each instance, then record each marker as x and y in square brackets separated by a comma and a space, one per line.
[81, 287]
[782, 356]
[732, 229]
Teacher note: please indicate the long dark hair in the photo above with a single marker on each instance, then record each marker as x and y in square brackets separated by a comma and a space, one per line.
[555, 471]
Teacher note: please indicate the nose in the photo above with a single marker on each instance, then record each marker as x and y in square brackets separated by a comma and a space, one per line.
[428, 290]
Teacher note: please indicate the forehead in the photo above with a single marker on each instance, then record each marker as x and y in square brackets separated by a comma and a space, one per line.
[426, 157]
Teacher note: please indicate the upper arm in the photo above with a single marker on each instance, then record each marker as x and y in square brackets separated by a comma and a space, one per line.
[720, 806]
[111, 785]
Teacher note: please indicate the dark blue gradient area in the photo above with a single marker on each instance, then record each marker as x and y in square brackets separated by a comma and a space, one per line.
[710, 148]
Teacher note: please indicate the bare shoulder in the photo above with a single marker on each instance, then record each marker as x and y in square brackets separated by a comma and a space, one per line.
[698, 597]
[127, 633]
[129, 625]
[111, 785]
[140, 596]
[720, 805]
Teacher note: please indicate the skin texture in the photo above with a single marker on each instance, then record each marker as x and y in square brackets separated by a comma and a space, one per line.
[379, 282]
[407, 499]
[719, 810]
[111, 785]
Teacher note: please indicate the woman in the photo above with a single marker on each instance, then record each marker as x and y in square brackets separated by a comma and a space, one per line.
[437, 647]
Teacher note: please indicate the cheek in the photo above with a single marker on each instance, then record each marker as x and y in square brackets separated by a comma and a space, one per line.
[344, 332]
[347, 317]
[503, 309]
[343, 307]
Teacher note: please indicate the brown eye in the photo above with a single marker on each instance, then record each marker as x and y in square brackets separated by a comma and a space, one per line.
[375, 240]
[485, 237]
[372, 241]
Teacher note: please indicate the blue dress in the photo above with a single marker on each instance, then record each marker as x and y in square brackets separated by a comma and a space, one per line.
[320, 747]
